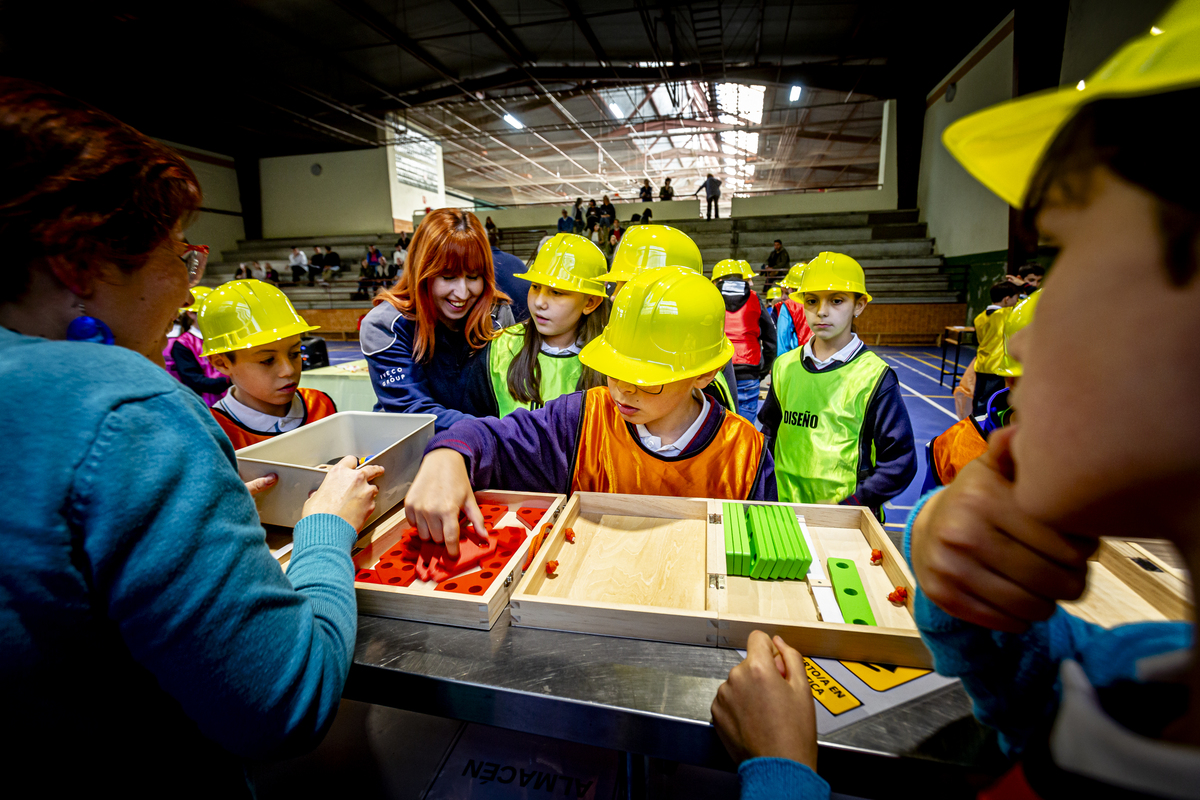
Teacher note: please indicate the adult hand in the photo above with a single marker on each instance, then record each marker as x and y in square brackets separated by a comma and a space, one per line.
[765, 709]
[346, 492]
[259, 485]
[441, 489]
[979, 558]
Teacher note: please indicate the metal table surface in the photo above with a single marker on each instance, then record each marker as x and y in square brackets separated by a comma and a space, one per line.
[649, 698]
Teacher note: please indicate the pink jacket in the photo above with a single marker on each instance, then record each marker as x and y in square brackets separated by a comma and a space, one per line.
[194, 343]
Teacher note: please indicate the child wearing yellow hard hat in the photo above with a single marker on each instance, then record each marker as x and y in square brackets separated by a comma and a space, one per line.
[645, 247]
[749, 326]
[791, 328]
[182, 354]
[834, 416]
[989, 333]
[653, 429]
[252, 336]
[537, 360]
[1105, 171]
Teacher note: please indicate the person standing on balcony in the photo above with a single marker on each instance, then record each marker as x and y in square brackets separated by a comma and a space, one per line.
[578, 215]
[667, 192]
[712, 191]
[607, 210]
[646, 193]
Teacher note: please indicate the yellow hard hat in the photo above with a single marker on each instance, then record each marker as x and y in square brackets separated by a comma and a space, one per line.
[666, 325]
[727, 267]
[247, 313]
[833, 272]
[570, 263]
[198, 295]
[650, 247]
[792, 279]
[1017, 318]
[775, 293]
[747, 273]
[1002, 146]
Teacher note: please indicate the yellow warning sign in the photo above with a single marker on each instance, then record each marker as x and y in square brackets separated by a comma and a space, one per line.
[829, 692]
[882, 677]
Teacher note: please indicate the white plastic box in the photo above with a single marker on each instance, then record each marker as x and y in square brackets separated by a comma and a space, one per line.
[395, 442]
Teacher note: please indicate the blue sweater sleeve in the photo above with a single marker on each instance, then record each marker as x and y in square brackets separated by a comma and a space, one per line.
[177, 558]
[530, 451]
[400, 382]
[895, 451]
[785, 334]
[1013, 678]
[780, 779]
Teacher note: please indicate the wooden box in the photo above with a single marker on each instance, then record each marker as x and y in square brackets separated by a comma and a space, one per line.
[423, 602]
[654, 568]
[1135, 580]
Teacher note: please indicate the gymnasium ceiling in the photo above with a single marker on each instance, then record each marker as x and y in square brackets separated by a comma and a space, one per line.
[606, 93]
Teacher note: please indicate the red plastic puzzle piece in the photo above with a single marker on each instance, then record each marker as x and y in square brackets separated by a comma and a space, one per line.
[435, 564]
[551, 566]
[898, 597]
[530, 517]
[569, 535]
[395, 572]
[366, 576]
[876, 558]
[492, 514]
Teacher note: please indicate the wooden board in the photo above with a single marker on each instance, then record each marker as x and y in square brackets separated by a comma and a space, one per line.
[421, 601]
[650, 567]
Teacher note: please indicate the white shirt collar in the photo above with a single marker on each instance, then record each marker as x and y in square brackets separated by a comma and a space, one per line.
[571, 349]
[654, 444]
[845, 354]
[259, 422]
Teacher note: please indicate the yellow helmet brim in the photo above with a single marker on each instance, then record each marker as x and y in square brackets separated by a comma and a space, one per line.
[604, 358]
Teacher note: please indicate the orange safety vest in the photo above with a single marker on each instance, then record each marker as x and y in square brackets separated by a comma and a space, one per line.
[741, 327]
[958, 446]
[610, 458]
[799, 321]
[317, 405]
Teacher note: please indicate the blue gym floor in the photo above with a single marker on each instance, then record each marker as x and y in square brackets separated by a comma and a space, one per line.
[930, 405]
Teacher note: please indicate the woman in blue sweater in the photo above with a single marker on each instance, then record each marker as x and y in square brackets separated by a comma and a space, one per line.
[1105, 443]
[144, 626]
[425, 341]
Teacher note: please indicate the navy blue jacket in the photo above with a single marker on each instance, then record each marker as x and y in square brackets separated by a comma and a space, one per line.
[508, 265]
[453, 384]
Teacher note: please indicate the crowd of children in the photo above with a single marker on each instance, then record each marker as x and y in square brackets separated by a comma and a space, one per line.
[631, 393]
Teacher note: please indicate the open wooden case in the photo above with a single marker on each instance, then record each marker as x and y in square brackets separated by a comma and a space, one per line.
[655, 568]
[430, 602]
[1134, 580]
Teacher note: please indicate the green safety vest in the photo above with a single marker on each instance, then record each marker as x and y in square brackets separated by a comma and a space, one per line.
[728, 398]
[560, 374]
[817, 447]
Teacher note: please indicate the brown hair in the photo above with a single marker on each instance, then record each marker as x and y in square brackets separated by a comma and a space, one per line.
[1129, 136]
[448, 242]
[525, 372]
[81, 184]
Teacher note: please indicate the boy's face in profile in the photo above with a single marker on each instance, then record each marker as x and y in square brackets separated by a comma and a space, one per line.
[266, 377]
[1107, 434]
[645, 405]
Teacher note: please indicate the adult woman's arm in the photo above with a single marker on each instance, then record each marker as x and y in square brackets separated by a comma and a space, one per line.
[178, 561]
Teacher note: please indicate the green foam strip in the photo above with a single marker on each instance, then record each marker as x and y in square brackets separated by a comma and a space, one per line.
[848, 589]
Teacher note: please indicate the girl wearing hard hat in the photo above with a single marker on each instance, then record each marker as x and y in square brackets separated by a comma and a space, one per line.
[535, 361]
[1106, 444]
[182, 354]
[834, 416]
[425, 340]
[654, 429]
[646, 247]
[791, 328]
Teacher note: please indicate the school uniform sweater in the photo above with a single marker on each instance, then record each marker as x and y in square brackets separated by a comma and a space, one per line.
[454, 383]
[534, 451]
[148, 641]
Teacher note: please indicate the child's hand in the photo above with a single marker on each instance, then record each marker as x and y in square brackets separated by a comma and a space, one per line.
[765, 709]
[979, 558]
[441, 488]
[346, 492]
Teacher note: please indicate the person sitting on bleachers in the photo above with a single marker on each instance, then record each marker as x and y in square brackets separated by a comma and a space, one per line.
[333, 264]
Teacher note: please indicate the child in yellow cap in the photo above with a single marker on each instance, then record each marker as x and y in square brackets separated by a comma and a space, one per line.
[989, 333]
[535, 361]
[252, 335]
[834, 416]
[653, 429]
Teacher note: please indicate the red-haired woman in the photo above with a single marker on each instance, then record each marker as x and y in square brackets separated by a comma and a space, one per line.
[128, 537]
[425, 340]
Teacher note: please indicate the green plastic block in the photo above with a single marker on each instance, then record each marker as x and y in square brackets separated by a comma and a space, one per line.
[760, 542]
[848, 588]
[803, 557]
[730, 550]
[787, 558]
[735, 529]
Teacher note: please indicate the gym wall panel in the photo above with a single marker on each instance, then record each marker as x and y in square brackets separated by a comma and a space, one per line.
[218, 183]
[351, 195]
[964, 216]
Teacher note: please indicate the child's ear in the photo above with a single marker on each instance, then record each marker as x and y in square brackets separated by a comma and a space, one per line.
[221, 363]
[706, 379]
[593, 302]
[860, 303]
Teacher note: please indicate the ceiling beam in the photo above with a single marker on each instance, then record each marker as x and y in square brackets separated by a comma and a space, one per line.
[585, 27]
[492, 24]
[387, 29]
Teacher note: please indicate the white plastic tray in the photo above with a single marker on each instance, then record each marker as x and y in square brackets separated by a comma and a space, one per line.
[395, 442]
